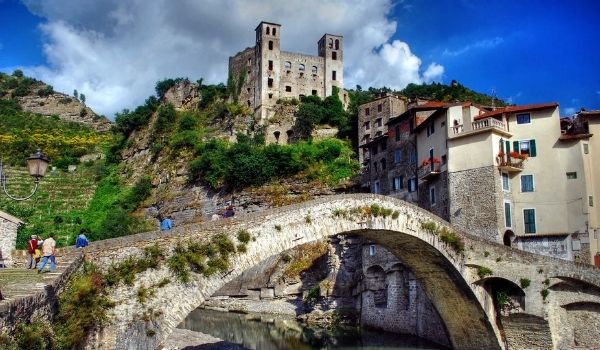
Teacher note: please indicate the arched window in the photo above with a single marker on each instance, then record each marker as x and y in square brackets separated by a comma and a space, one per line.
[270, 45]
[290, 135]
[276, 134]
[301, 67]
[268, 31]
[334, 55]
[287, 65]
[337, 44]
[274, 31]
[314, 69]
[330, 43]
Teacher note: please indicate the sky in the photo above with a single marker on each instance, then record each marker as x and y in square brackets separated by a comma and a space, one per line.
[114, 51]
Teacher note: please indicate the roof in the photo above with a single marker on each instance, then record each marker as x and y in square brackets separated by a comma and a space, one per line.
[516, 109]
[8, 217]
[265, 22]
[595, 113]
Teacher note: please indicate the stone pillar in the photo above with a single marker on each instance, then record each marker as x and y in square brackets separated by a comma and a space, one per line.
[8, 237]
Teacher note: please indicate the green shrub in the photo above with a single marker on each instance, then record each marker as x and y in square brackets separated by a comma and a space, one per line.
[525, 282]
[375, 210]
[486, 253]
[313, 295]
[430, 226]
[452, 239]
[244, 236]
[544, 292]
[37, 335]
[242, 248]
[483, 271]
[178, 265]
[278, 228]
[502, 298]
[45, 91]
[224, 244]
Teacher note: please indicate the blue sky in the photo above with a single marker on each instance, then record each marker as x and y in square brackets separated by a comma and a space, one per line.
[114, 51]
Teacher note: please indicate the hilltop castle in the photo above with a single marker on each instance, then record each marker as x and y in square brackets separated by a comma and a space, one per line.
[270, 74]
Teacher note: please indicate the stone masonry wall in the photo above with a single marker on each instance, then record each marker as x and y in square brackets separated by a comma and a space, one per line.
[470, 210]
[8, 239]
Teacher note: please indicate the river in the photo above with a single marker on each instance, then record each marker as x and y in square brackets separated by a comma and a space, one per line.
[284, 333]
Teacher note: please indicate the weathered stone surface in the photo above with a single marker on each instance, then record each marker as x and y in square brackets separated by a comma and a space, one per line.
[183, 95]
[8, 237]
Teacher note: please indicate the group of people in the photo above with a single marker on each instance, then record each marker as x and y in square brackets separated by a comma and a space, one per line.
[229, 212]
[44, 250]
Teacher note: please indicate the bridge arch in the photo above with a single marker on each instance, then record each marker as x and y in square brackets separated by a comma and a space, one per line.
[446, 274]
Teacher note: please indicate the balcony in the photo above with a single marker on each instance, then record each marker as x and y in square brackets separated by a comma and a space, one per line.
[478, 126]
[488, 123]
[429, 172]
[509, 164]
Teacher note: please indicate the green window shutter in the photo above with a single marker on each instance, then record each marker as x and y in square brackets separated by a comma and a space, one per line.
[507, 147]
[516, 146]
[532, 150]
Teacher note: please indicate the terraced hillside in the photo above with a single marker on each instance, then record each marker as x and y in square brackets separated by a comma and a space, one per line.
[58, 205]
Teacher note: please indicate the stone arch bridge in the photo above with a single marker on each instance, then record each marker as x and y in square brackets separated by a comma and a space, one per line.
[460, 284]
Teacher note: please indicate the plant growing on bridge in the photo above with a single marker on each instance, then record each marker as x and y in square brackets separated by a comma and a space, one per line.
[303, 258]
[483, 271]
[547, 282]
[544, 292]
[502, 298]
[430, 226]
[244, 236]
[313, 295]
[452, 239]
[525, 282]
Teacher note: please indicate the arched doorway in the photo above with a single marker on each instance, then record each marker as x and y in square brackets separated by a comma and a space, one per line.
[508, 238]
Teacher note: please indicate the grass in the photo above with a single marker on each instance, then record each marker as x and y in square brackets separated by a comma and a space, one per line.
[525, 282]
[483, 271]
[303, 258]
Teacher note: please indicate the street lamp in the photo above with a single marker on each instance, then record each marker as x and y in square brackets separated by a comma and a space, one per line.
[37, 164]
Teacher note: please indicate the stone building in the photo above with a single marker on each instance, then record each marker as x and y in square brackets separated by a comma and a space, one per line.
[8, 237]
[270, 75]
[373, 116]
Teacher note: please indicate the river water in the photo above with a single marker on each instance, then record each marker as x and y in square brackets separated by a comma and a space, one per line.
[284, 333]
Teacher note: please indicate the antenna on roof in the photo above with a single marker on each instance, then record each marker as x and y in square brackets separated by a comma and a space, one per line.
[493, 99]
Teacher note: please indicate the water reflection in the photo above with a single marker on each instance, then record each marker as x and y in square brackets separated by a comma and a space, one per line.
[280, 333]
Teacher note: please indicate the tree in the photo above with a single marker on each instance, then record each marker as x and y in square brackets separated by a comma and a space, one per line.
[82, 98]
[18, 73]
[75, 94]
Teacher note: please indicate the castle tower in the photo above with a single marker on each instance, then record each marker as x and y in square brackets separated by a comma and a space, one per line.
[330, 47]
[268, 57]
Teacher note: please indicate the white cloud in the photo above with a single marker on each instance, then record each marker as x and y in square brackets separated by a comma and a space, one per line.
[481, 44]
[569, 111]
[114, 51]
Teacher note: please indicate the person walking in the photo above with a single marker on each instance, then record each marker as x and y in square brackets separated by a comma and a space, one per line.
[82, 240]
[49, 253]
[166, 224]
[31, 247]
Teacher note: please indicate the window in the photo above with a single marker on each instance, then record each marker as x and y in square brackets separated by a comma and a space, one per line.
[397, 156]
[378, 133]
[270, 82]
[287, 65]
[432, 196]
[524, 118]
[270, 65]
[367, 111]
[333, 75]
[249, 63]
[586, 148]
[270, 45]
[444, 159]
[397, 132]
[367, 125]
[507, 217]
[337, 44]
[301, 67]
[371, 250]
[529, 220]
[314, 92]
[412, 185]
[249, 104]
[378, 122]
[376, 188]
[591, 201]
[397, 183]
[288, 88]
[430, 129]
[334, 55]
[274, 31]
[270, 95]
[413, 156]
[379, 108]
[526, 183]
[525, 147]
[505, 182]
[314, 69]
[572, 175]
[268, 31]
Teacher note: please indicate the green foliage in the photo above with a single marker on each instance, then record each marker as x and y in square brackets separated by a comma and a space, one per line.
[395, 214]
[483, 271]
[486, 253]
[525, 282]
[448, 93]
[546, 282]
[452, 239]
[545, 292]
[502, 298]
[224, 244]
[18, 73]
[242, 248]
[128, 121]
[45, 91]
[313, 294]
[211, 93]
[314, 111]
[244, 236]
[126, 270]
[278, 228]
[247, 163]
[430, 226]
[82, 307]
[37, 335]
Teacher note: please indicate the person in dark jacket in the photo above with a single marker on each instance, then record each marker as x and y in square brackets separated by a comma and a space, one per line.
[31, 247]
[82, 240]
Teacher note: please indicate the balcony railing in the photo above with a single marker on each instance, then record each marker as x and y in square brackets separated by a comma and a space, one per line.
[509, 164]
[457, 129]
[488, 123]
[428, 172]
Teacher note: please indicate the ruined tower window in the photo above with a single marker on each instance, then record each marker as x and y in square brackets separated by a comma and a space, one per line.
[249, 63]
[270, 95]
[367, 125]
[301, 96]
[314, 69]
[290, 135]
[301, 67]
[288, 88]
[248, 102]
[268, 31]
[314, 92]
[367, 111]
[333, 75]
[270, 45]
[379, 107]
[276, 134]
[270, 82]
[270, 65]
[274, 31]
[330, 43]
[372, 250]
[248, 90]
[287, 65]
[334, 55]
[337, 44]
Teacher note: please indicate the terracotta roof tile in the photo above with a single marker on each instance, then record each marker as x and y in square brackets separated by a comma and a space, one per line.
[515, 109]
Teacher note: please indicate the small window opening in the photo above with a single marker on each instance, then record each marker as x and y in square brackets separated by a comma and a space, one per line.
[270, 45]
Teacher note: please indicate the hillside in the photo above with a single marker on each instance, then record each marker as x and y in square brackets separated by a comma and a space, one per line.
[448, 93]
[39, 98]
